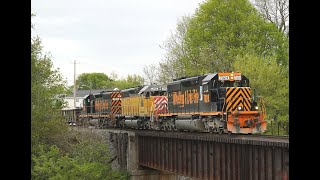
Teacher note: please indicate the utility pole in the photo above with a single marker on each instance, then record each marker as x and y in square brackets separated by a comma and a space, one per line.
[74, 85]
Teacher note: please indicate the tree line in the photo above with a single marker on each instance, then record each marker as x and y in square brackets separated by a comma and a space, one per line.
[57, 152]
[87, 81]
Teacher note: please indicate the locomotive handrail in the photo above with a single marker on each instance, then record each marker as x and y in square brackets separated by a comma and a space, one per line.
[224, 103]
[263, 108]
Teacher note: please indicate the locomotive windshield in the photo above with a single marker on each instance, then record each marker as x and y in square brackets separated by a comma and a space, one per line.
[242, 83]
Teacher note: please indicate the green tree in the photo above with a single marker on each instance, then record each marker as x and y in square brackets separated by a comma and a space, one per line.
[46, 90]
[46, 100]
[93, 81]
[135, 79]
[50, 163]
[271, 81]
[221, 30]
[129, 81]
[49, 130]
[171, 67]
[102, 81]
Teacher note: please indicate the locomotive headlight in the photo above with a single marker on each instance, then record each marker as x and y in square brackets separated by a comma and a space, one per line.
[239, 108]
[256, 107]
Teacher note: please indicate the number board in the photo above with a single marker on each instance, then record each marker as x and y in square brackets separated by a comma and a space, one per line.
[223, 78]
[237, 78]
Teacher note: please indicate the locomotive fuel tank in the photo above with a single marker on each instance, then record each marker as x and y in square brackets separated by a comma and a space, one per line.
[133, 123]
[187, 124]
[94, 122]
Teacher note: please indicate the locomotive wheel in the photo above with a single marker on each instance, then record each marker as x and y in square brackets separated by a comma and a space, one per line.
[147, 126]
[211, 130]
[86, 122]
[175, 128]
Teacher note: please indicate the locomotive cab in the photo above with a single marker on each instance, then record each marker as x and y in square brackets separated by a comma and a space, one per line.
[87, 103]
[153, 90]
[152, 98]
[222, 84]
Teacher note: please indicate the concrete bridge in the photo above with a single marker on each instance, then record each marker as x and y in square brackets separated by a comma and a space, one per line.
[158, 155]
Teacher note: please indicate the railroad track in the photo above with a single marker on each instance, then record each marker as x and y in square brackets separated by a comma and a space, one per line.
[252, 138]
[272, 136]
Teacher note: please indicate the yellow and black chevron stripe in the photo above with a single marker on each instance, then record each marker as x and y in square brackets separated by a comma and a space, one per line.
[238, 96]
[116, 103]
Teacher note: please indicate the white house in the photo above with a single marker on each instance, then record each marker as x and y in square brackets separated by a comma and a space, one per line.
[80, 96]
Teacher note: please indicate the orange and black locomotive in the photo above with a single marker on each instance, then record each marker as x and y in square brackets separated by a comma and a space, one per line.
[216, 103]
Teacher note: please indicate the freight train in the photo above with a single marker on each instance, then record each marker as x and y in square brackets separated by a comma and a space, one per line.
[216, 103]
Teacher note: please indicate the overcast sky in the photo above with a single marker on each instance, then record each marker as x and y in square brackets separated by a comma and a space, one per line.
[106, 35]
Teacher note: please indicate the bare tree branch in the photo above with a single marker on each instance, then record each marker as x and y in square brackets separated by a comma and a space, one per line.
[275, 11]
[151, 73]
